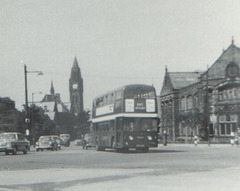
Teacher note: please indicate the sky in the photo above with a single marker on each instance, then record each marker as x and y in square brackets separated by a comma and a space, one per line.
[116, 42]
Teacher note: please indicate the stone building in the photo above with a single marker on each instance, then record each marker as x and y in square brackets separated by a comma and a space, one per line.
[205, 103]
[76, 89]
[52, 104]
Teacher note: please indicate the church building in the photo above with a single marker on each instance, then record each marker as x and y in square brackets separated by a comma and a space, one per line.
[203, 103]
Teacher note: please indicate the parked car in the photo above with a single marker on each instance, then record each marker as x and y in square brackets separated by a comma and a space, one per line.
[58, 140]
[187, 139]
[78, 142]
[48, 142]
[87, 141]
[65, 140]
[183, 139]
[12, 142]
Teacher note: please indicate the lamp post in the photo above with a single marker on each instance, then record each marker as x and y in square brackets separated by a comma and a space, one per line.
[27, 119]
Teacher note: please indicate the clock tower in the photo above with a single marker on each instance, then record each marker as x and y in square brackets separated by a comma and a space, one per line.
[76, 89]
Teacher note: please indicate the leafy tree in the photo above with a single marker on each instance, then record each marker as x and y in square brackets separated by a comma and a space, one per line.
[40, 123]
[10, 118]
[76, 126]
[83, 122]
[65, 122]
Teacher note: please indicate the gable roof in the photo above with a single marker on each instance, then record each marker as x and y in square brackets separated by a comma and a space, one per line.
[183, 79]
[218, 69]
[52, 104]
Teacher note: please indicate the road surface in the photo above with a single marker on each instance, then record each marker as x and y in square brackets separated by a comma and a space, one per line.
[174, 167]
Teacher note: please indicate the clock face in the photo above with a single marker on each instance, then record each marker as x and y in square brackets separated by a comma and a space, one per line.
[75, 86]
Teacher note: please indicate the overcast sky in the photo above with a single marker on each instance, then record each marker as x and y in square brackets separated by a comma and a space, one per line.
[116, 42]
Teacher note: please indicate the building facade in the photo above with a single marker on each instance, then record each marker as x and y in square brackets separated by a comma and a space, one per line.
[52, 104]
[203, 103]
[76, 89]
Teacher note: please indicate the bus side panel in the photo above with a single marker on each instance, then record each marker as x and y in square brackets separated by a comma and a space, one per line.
[104, 134]
[105, 139]
[119, 133]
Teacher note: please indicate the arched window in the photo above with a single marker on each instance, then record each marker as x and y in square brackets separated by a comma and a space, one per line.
[210, 95]
[195, 101]
[189, 102]
[183, 103]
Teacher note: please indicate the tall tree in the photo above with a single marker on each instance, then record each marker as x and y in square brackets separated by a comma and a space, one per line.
[40, 123]
[10, 118]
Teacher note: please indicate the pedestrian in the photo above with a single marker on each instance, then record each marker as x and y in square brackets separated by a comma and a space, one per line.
[84, 143]
[237, 137]
[232, 141]
[195, 140]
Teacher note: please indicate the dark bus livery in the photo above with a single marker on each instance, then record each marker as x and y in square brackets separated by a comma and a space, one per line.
[126, 118]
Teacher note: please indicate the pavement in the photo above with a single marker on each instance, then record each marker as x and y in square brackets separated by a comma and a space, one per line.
[120, 180]
[220, 180]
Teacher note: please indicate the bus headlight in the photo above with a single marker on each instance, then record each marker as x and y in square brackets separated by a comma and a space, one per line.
[150, 138]
[130, 137]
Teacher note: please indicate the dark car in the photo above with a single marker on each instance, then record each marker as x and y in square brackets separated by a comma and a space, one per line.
[58, 140]
[65, 140]
[48, 142]
[12, 142]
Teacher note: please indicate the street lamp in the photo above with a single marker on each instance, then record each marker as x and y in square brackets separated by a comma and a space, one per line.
[27, 119]
[33, 96]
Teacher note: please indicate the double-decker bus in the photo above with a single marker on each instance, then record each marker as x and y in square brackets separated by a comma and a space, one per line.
[126, 118]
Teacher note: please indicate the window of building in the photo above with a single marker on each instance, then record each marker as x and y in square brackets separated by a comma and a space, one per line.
[227, 124]
[210, 95]
[195, 102]
[229, 94]
[222, 129]
[183, 104]
[227, 117]
[220, 95]
[189, 102]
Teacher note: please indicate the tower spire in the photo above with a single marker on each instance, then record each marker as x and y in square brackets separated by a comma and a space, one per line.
[52, 88]
[232, 39]
[75, 63]
[76, 88]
